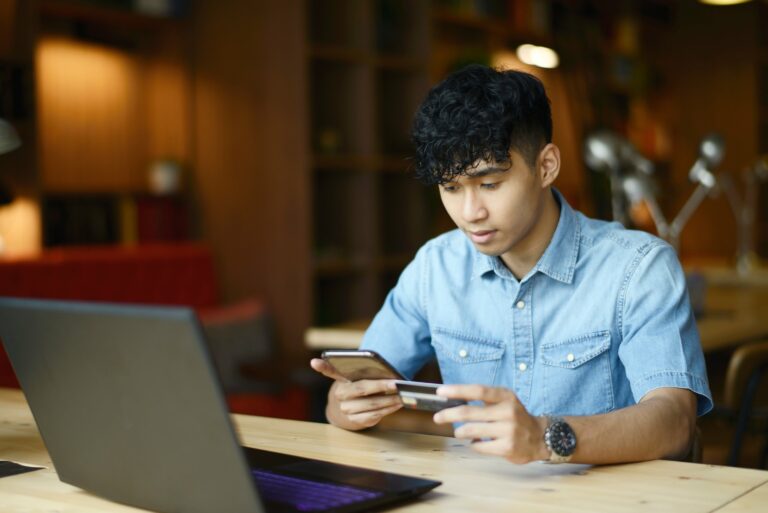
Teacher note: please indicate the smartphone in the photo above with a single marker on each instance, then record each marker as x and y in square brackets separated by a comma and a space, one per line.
[423, 396]
[357, 365]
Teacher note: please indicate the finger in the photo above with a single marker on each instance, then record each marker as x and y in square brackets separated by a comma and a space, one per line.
[482, 430]
[506, 410]
[505, 448]
[370, 404]
[476, 393]
[455, 414]
[324, 368]
[467, 413]
[498, 447]
[373, 417]
[364, 387]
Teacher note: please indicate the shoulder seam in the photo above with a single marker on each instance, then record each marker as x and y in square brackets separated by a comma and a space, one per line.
[641, 252]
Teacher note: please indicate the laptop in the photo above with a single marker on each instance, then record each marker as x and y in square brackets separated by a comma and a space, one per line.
[128, 404]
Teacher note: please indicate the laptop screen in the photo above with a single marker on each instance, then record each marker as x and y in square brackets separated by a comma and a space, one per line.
[127, 403]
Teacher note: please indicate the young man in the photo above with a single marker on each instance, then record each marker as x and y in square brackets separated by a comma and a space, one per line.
[573, 338]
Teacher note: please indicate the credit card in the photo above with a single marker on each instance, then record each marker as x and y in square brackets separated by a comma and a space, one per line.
[416, 395]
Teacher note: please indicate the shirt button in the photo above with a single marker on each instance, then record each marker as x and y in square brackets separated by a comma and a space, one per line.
[463, 353]
[522, 367]
[520, 305]
[570, 357]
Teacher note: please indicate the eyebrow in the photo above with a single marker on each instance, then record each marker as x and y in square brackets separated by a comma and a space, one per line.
[488, 171]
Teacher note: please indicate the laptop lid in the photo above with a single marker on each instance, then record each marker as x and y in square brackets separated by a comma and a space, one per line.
[126, 402]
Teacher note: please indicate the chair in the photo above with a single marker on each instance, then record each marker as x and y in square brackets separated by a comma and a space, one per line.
[248, 363]
[695, 454]
[746, 370]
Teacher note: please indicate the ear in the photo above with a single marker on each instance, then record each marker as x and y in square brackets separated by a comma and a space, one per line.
[549, 164]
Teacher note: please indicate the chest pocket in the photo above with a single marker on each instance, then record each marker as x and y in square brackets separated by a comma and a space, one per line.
[576, 375]
[465, 358]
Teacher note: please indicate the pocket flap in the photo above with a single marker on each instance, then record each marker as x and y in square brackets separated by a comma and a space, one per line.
[465, 348]
[577, 351]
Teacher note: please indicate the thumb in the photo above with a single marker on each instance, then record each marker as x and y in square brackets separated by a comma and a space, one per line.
[324, 368]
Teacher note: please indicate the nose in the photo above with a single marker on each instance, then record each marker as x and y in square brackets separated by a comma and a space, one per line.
[473, 209]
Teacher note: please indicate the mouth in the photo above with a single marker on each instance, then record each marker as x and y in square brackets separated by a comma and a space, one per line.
[481, 236]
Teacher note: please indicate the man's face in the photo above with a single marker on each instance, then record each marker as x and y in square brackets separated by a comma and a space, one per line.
[496, 205]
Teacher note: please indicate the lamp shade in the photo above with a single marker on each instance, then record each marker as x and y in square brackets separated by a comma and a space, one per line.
[9, 139]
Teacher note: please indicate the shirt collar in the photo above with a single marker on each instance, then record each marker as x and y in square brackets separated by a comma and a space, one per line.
[559, 259]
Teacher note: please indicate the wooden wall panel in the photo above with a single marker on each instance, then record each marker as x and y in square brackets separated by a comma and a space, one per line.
[167, 81]
[250, 157]
[566, 127]
[89, 101]
[709, 64]
[8, 22]
[567, 135]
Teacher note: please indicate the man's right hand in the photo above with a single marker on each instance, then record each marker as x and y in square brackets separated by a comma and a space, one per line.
[356, 405]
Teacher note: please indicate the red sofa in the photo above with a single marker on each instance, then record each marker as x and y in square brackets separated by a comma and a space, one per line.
[155, 274]
[160, 274]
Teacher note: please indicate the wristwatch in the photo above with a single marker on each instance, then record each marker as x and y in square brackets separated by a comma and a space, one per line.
[559, 439]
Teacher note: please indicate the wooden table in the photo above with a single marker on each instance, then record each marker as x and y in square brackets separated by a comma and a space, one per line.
[734, 314]
[471, 482]
[348, 335]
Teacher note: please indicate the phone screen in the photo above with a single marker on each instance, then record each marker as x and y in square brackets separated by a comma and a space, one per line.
[357, 365]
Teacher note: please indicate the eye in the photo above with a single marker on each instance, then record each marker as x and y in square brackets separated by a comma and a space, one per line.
[490, 186]
[448, 187]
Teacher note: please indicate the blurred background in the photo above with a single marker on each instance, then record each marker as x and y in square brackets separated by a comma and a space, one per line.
[249, 159]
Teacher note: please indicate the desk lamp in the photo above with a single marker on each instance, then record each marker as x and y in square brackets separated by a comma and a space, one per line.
[9, 139]
[630, 172]
[627, 170]
[744, 208]
[711, 153]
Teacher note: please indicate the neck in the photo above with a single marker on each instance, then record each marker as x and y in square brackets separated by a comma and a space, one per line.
[528, 251]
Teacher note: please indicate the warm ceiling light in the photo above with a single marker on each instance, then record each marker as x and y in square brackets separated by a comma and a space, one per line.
[540, 56]
[723, 2]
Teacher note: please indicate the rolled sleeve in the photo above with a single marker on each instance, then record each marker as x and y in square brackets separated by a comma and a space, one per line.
[660, 344]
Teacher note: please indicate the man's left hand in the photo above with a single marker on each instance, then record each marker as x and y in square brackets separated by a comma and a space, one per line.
[502, 426]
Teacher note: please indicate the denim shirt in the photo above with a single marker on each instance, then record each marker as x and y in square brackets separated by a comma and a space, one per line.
[602, 319]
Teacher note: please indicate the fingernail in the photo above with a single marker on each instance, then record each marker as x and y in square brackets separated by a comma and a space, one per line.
[437, 417]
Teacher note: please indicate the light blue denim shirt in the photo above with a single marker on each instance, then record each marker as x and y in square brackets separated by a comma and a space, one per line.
[602, 319]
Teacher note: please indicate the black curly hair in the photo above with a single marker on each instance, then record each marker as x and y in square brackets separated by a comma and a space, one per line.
[479, 113]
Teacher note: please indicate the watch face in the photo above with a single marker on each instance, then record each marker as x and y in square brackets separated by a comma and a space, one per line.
[561, 439]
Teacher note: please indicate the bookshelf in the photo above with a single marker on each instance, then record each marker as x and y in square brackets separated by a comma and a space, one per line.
[127, 76]
[370, 63]
[367, 73]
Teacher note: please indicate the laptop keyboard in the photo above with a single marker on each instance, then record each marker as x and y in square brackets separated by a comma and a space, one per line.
[305, 495]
